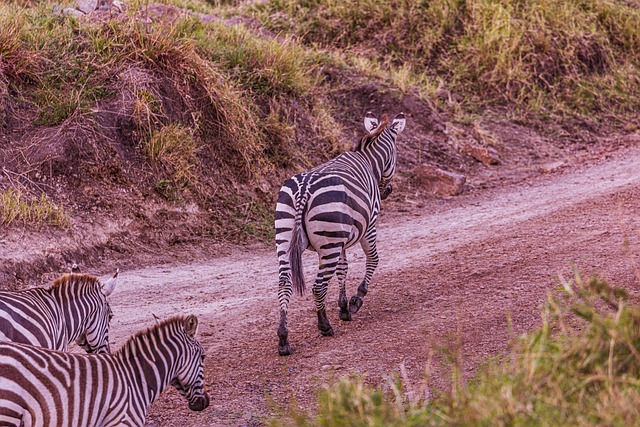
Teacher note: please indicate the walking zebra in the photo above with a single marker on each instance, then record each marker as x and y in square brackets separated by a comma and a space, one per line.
[329, 209]
[74, 308]
[48, 388]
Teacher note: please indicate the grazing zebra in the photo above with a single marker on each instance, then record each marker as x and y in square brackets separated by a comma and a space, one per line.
[48, 388]
[74, 308]
[329, 209]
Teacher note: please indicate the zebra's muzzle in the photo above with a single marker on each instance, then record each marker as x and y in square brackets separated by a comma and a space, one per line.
[386, 191]
[200, 403]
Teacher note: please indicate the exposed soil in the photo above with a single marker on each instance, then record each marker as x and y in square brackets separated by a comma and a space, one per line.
[452, 272]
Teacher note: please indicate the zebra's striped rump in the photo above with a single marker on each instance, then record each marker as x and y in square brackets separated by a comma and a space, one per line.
[329, 209]
[74, 308]
[42, 387]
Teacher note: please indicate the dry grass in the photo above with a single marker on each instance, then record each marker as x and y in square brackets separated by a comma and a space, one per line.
[541, 55]
[18, 207]
[251, 106]
[209, 106]
[174, 147]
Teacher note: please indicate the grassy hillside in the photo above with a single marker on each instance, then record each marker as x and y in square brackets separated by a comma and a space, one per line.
[180, 124]
[580, 368]
[547, 56]
[198, 108]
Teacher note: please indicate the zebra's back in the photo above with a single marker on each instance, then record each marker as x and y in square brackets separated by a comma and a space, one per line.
[75, 307]
[336, 201]
[31, 317]
[46, 388]
[42, 387]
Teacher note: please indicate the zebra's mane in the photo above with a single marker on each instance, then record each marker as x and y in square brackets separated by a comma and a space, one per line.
[78, 279]
[150, 331]
[369, 137]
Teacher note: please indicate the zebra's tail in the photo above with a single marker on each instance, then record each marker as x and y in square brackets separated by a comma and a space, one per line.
[296, 248]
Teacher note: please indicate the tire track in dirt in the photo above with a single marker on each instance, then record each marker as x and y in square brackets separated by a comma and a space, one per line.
[458, 265]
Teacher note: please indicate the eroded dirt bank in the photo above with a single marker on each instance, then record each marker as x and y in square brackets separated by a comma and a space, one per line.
[453, 270]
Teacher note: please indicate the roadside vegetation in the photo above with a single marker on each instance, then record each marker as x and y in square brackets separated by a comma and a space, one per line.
[582, 367]
[201, 98]
[18, 207]
[542, 56]
[214, 109]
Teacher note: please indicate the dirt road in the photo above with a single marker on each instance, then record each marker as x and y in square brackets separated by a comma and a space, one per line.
[452, 271]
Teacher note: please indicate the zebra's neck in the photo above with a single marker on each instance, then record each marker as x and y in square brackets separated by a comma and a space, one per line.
[150, 360]
[379, 153]
[70, 312]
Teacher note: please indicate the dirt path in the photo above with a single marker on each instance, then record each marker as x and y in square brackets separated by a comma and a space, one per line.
[453, 271]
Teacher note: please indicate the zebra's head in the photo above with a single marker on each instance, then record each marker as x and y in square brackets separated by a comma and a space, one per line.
[189, 379]
[94, 335]
[386, 133]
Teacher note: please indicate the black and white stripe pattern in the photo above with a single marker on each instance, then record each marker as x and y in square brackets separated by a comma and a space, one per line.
[328, 209]
[47, 388]
[74, 308]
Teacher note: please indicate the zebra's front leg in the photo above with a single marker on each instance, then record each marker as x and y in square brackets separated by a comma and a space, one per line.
[368, 244]
[284, 294]
[325, 274]
[341, 273]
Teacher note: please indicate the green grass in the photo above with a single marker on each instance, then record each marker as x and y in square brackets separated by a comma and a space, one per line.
[262, 66]
[579, 57]
[18, 207]
[582, 367]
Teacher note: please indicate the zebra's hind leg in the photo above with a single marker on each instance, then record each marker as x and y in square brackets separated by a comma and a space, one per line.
[341, 273]
[284, 294]
[283, 335]
[368, 244]
[325, 273]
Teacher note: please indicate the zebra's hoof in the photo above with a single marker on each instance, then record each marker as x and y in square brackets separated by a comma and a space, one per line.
[284, 350]
[355, 304]
[327, 332]
[345, 315]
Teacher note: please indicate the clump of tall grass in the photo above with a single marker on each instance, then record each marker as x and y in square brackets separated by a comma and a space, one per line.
[213, 105]
[174, 147]
[582, 367]
[17, 206]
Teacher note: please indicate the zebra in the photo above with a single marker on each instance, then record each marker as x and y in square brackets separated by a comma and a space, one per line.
[75, 307]
[48, 388]
[329, 209]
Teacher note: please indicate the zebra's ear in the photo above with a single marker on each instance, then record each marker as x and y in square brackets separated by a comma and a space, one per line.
[191, 326]
[110, 285]
[370, 122]
[398, 123]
